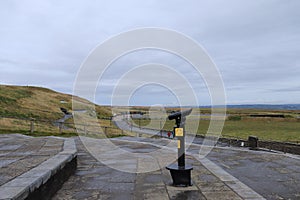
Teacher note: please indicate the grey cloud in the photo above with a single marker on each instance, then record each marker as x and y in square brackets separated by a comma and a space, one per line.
[286, 89]
[255, 44]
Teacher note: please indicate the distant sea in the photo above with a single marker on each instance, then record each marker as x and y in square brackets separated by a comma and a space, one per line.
[263, 106]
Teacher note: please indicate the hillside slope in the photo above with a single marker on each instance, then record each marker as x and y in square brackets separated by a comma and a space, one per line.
[37, 103]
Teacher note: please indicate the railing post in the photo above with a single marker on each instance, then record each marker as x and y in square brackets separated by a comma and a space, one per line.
[160, 127]
[105, 130]
[140, 123]
[31, 126]
[60, 127]
[84, 129]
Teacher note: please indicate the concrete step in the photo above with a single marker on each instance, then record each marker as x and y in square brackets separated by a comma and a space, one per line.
[44, 179]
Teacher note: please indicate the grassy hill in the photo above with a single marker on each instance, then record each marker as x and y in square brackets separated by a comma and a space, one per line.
[20, 105]
[37, 103]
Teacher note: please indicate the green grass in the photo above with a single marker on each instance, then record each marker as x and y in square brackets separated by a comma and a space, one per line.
[38, 103]
[47, 128]
[264, 129]
[25, 102]
[285, 130]
[43, 134]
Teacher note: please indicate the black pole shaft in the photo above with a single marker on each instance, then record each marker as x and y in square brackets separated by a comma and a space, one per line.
[181, 153]
[181, 143]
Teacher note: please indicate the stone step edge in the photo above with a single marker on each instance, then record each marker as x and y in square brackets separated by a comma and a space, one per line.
[30, 182]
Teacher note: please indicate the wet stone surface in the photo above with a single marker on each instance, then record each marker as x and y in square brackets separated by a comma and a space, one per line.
[94, 180]
[19, 154]
[273, 175]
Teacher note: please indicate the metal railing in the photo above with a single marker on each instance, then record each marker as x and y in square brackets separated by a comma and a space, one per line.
[55, 127]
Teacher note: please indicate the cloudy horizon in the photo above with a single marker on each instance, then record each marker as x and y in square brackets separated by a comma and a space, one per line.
[254, 44]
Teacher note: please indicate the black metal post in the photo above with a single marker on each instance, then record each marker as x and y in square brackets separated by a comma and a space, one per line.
[181, 141]
[181, 174]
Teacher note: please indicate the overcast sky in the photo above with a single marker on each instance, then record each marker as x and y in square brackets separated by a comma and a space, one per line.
[254, 43]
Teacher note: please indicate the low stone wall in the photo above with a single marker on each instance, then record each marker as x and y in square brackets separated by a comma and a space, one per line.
[271, 145]
[280, 146]
[285, 147]
[42, 181]
[234, 142]
[48, 189]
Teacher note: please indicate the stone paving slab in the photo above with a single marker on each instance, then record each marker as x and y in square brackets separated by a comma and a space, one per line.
[21, 153]
[252, 174]
[226, 173]
[273, 175]
[33, 161]
[96, 180]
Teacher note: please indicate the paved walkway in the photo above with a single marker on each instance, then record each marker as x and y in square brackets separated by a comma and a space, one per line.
[131, 169]
[19, 154]
[95, 180]
[34, 168]
[273, 175]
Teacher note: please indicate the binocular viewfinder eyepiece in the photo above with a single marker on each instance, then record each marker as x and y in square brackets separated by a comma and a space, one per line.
[179, 114]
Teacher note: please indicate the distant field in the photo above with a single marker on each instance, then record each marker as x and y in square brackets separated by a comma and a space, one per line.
[275, 129]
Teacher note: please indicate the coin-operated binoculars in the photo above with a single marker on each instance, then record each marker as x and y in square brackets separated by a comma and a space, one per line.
[180, 172]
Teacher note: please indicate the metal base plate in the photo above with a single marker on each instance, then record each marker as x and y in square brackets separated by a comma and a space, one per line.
[181, 175]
